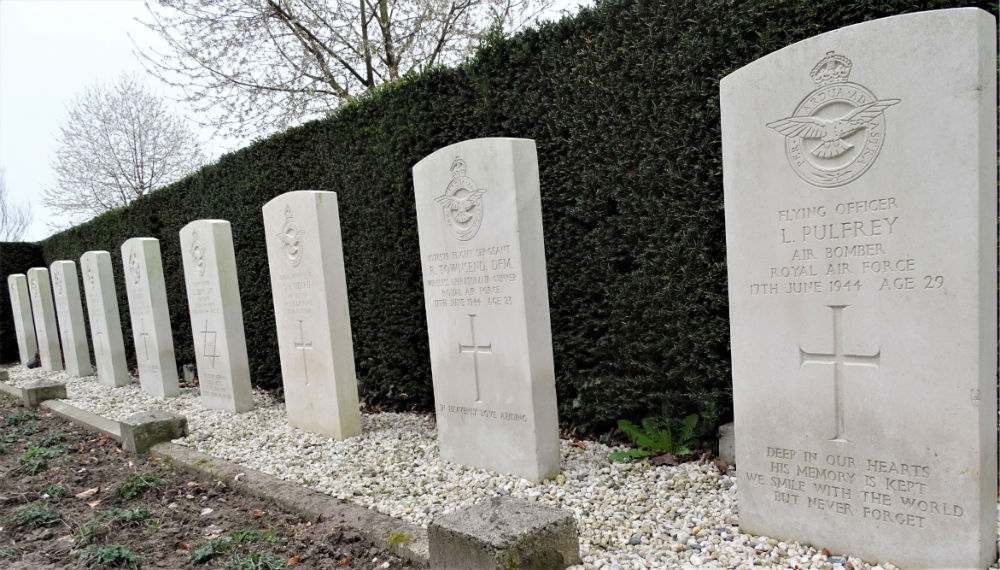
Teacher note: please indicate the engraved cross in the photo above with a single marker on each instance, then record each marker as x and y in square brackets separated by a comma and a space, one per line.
[839, 359]
[145, 339]
[303, 345]
[208, 346]
[476, 350]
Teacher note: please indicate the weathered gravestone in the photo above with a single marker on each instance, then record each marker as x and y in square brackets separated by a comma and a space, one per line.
[309, 287]
[860, 192]
[24, 326]
[147, 305]
[69, 309]
[44, 313]
[479, 217]
[105, 321]
[213, 293]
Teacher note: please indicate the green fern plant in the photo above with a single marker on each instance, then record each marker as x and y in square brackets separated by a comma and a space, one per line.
[653, 439]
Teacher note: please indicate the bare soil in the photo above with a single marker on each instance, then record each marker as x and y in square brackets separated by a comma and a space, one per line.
[70, 498]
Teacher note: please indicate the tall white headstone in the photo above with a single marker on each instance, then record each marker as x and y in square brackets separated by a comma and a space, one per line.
[147, 305]
[216, 315]
[861, 216]
[479, 217]
[69, 309]
[105, 321]
[44, 312]
[24, 326]
[306, 261]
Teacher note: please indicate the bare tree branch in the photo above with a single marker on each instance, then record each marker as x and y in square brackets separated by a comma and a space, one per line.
[255, 66]
[118, 142]
[14, 220]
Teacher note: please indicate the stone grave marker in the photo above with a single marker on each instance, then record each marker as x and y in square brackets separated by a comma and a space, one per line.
[861, 215]
[105, 321]
[44, 312]
[309, 287]
[147, 305]
[69, 309]
[24, 326]
[479, 218]
[213, 294]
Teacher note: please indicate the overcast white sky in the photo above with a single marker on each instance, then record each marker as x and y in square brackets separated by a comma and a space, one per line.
[51, 50]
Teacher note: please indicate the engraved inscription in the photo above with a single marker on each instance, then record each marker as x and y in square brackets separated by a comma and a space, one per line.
[844, 122]
[472, 278]
[844, 247]
[197, 253]
[838, 358]
[873, 489]
[134, 268]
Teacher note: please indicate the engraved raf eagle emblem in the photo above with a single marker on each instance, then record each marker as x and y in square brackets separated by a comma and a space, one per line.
[831, 132]
[462, 202]
[846, 119]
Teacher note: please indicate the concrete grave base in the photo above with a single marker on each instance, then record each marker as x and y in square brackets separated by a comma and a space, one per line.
[33, 394]
[144, 430]
[504, 533]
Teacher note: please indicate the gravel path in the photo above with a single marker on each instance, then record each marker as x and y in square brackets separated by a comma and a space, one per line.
[631, 516]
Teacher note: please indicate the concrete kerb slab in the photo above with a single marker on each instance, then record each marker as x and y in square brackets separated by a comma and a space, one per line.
[33, 394]
[382, 531]
[504, 533]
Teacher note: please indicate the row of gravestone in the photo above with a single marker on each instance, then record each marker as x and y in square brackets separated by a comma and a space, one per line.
[479, 218]
[862, 259]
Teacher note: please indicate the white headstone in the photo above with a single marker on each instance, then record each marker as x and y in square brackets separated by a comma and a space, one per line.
[213, 294]
[147, 305]
[479, 218]
[105, 322]
[44, 313]
[24, 326]
[861, 216]
[69, 309]
[306, 261]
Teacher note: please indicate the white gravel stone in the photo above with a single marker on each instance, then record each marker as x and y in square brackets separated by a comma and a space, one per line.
[686, 515]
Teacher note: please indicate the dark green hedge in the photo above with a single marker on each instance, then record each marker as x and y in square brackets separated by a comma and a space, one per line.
[622, 101]
[15, 257]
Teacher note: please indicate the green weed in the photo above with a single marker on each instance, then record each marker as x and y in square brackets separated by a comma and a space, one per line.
[255, 561]
[9, 552]
[655, 438]
[137, 485]
[89, 534]
[19, 417]
[34, 516]
[216, 546]
[109, 556]
[52, 490]
[51, 439]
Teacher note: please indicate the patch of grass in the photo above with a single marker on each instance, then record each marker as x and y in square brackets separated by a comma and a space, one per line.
[109, 556]
[137, 485]
[154, 525]
[52, 490]
[34, 516]
[9, 552]
[255, 561]
[19, 417]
